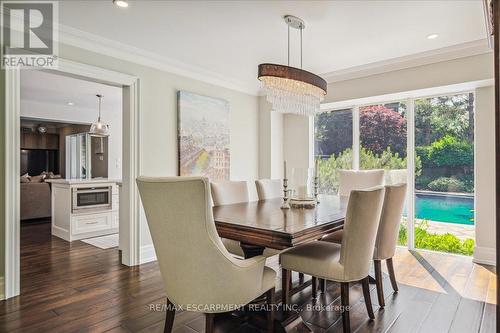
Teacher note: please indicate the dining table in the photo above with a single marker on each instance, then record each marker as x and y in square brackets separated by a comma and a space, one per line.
[265, 224]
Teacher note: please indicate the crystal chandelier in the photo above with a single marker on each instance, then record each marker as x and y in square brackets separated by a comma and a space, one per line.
[290, 89]
[99, 128]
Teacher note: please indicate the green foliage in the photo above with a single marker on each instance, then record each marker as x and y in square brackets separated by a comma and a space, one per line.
[447, 184]
[328, 168]
[444, 115]
[449, 151]
[436, 242]
[386, 160]
[328, 171]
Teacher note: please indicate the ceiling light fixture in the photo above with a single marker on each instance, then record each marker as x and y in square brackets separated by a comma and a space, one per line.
[290, 89]
[70, 103]
[432, 36]
[99, 128]
[121, 3]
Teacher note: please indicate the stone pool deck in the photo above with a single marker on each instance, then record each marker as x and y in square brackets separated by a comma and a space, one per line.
[460, 230]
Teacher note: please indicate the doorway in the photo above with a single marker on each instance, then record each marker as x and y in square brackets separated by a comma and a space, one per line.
[129, 200]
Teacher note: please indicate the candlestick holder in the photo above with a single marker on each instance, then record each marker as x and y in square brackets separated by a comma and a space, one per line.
[286, 204]
[316, 187]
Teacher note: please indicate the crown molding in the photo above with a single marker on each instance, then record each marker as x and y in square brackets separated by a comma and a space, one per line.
[81, 39]
[418, 59]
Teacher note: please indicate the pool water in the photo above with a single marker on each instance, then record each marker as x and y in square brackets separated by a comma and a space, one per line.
[445, 208]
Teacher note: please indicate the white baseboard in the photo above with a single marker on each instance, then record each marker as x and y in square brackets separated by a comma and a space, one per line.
[147, 254]
[2, 287]
[484, 255]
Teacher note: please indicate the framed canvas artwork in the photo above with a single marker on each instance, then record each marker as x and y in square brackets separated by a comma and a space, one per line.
[203, 136]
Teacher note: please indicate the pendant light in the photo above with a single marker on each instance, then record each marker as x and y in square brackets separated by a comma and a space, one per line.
[99, 128]
[290, 89]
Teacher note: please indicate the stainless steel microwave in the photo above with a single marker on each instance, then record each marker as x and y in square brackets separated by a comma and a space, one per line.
[92, 198]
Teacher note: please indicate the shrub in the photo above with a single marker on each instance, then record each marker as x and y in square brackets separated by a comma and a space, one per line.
[328, 168]
[422, 182]
[447, 152]
[436, 242]
[447, 184]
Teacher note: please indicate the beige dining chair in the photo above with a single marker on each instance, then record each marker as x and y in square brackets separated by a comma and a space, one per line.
[349, 262]
[198, 272]
[269, 188]
[228, 193]
[387, 236]
[359, 179]
[396, 176]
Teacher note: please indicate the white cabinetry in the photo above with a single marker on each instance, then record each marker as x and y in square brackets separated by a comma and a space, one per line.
[72, 224]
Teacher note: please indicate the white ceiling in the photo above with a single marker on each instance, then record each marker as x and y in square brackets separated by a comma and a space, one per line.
[231, 38]
[58, 90]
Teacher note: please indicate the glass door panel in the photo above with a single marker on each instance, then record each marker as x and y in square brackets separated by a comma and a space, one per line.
[383, 145]
[444, 183]
[333, 147]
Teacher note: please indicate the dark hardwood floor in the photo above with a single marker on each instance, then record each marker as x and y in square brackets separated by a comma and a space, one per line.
[75, 287]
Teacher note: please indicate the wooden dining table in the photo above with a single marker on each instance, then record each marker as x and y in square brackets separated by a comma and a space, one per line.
[260, 224]
[264, 224]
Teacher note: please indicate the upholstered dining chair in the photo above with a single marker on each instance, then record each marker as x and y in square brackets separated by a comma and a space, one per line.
[387, 236]
[269, 188]
[346, 263]
[359, 179]
[232, 192]
[227, 193]
[198, 272]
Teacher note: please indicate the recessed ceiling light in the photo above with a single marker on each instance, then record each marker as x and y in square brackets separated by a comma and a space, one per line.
[71, 103]
[432, 36]
[121, 3]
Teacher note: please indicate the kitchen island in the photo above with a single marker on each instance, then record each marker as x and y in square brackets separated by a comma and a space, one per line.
[84, 208]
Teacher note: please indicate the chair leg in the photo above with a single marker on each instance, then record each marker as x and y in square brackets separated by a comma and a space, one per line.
[169, 318]
[344, 301]
[366, 294]
[322, 285]
[314, 287]
[286, 277]
[301, 278]
[378, 282]
[392, 276]
[270, 310]
[209, 322]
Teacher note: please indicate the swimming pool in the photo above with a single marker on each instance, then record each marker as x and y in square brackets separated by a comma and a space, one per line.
[443, 207]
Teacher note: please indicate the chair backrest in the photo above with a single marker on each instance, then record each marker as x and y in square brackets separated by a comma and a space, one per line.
[359, 180]
[195, 266]
[269, 188]
[396, 176]
[390, 219]
[229, 192]
[360, 231]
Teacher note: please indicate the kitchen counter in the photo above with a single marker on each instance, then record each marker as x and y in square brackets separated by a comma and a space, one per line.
[82, 181]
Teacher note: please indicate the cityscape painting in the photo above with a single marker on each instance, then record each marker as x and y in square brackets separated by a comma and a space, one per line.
[203, 130]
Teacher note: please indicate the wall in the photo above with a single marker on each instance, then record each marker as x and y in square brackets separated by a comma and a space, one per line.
[270, 141]
[158, 130]
[485, 203]
[2, 182]
[73, 114]
[446, 73]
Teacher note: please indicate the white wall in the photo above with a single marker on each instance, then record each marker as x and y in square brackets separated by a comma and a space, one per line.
[485, 204]
[158, 122]
[270, 141]
[73, 114]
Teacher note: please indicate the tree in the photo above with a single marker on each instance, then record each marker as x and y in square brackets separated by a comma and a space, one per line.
[333, 132]
[380, 128]
[437, 117]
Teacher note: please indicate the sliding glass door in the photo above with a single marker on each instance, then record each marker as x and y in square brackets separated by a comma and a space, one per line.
[333, 147]
[427, 142]
[444, 185]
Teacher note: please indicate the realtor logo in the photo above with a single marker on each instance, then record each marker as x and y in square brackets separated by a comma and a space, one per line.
[29, 34]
